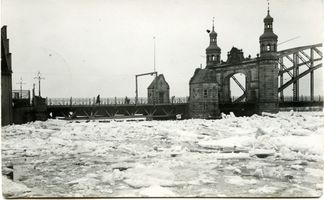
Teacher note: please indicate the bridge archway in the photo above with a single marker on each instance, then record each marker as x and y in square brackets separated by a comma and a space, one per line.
[237, 87]
[237, 84]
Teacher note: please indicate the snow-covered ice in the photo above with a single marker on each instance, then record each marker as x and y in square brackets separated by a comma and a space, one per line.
[273, 155]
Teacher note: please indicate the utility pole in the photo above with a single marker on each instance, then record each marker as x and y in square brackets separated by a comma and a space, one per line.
[39, 82]
[154, 55]
[21, 83]
[155, 88]
[33, 90]
[136, 87]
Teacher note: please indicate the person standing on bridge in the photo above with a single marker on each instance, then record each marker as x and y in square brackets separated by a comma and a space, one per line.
[127, 100]
[98, 99]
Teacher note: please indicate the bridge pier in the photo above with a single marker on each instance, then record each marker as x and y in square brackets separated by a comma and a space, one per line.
[281, 94]
[295, 73]
[312, 74]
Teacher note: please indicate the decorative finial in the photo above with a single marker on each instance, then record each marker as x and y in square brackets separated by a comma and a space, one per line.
[268, 7]
[213, 23]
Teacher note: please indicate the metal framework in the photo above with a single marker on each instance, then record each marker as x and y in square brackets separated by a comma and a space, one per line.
[242, 88]
[136, 90]
[291, 61]
[159, 111]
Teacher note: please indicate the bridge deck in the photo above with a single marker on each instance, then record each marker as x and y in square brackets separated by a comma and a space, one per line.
[157, 111]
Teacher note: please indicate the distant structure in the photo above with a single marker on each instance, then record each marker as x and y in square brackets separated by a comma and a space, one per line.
[158, 91]
[6, 80]
[210, 87]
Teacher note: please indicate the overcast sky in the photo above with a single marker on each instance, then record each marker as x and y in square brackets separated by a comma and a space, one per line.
[89, 47]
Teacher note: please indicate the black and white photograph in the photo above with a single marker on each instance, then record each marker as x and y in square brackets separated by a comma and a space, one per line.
[162, 98]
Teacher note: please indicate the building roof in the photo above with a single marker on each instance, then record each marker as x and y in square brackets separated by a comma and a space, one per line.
[203, 76]
[159, 77]
[268, 18]
[268, 35]
[213, 47]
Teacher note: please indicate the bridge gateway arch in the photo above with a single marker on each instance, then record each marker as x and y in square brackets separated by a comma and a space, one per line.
[210, 91]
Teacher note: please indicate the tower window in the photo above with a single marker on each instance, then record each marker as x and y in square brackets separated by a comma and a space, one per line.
[213, 58]
[268, 47]
[205, 93]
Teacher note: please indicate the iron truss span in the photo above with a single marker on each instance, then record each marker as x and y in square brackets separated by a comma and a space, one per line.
[148, 111]
[296, 63]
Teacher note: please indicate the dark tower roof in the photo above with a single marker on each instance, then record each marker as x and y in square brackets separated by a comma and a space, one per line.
[268, 18]
[268, 30]
[213, 40]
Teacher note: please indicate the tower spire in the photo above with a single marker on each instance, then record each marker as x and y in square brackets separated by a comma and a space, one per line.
[213, 51]
[268, 40]
[213, 23]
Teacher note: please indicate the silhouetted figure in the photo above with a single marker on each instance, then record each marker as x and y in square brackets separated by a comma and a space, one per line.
[98, 99]
[127, 100]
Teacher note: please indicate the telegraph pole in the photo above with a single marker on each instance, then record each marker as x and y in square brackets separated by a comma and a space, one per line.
[154, 54]
[154, 66]
[21, 83]
[39, 82]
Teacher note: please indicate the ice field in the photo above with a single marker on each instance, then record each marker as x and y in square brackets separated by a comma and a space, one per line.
[277, 155]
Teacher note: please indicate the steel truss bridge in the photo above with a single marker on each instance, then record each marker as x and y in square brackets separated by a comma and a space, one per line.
[111, 111]
[297, 63]
[294, 63]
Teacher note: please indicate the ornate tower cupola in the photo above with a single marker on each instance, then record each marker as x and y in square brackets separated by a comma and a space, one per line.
[213, 52]
[268, 40]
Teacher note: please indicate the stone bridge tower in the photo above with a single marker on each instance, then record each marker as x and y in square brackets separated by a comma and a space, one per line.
[210, 88]
[213, 52]
[6, 80]
[268, 68]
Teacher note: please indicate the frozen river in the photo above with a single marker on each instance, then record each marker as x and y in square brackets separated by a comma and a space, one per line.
[260, 156]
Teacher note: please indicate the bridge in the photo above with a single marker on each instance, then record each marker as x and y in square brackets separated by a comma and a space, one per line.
[291, 61]
[295, 63]
[115, 108]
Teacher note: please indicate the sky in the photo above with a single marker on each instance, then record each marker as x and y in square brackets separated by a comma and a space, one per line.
[88, 47]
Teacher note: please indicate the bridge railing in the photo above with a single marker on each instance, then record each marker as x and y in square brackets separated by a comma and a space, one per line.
[302, 98]
[106, 101]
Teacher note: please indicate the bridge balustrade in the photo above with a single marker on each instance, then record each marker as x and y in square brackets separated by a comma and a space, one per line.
[105, 101]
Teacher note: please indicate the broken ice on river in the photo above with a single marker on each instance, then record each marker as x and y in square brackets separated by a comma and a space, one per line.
[274, 155]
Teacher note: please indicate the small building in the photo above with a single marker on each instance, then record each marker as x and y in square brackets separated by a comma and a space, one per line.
[6, 80]
[203, 91]
[159, 90]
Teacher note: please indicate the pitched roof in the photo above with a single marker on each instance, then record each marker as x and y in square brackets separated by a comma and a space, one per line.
[159, 77]
[203, 76]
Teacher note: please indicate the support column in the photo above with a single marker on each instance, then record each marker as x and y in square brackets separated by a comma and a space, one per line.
[281, 95]
[136, 91]
[295, 74]
[311, 75]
